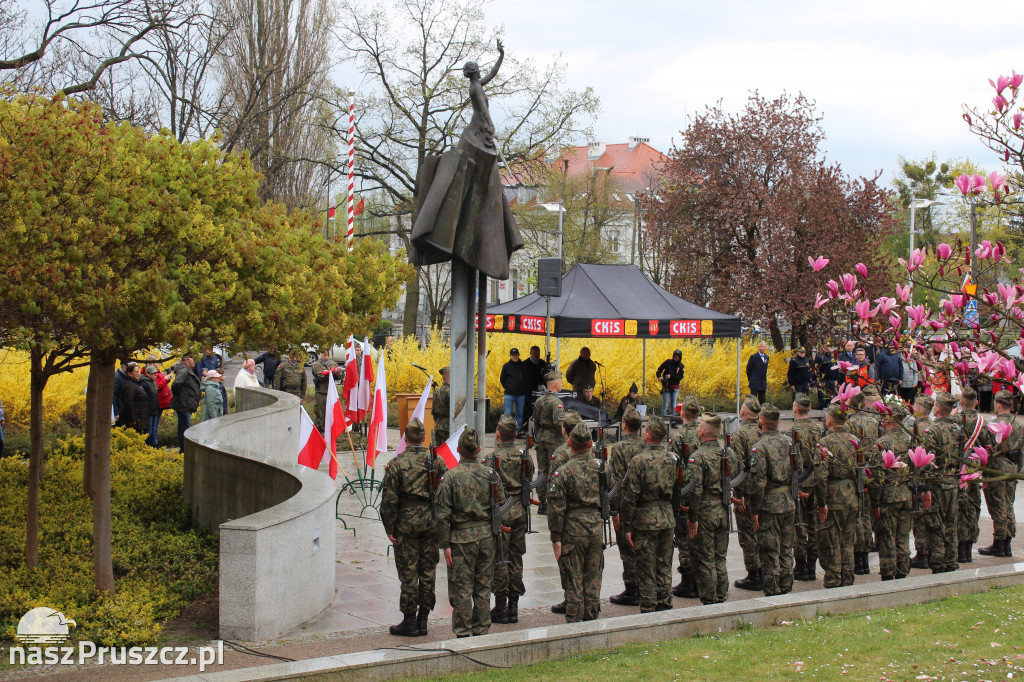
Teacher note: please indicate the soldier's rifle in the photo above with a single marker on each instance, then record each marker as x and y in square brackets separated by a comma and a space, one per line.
[961, 490]
[915, 482]
[797, 478]
[524, 479]
[604, 491]
[497, 512]
[682, 488]
[728, 484]
[861, 490]
[432, 482]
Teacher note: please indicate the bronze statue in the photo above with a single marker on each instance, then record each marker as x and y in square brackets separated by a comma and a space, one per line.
[461, 209]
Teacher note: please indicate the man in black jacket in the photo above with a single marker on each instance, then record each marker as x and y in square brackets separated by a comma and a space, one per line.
[798, 375]
[185, 396]
[270, 360]
[757, 371]
[670, 373]
[134, 401]
[514, 381]
[534, 368]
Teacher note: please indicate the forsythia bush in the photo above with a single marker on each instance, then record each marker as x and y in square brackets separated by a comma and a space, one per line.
[160, 563]
[710, 365]
[63, 398]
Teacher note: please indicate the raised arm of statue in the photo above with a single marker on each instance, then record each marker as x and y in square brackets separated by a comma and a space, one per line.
[497, 65]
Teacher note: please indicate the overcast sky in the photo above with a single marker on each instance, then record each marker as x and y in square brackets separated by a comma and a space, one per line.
[888, 77]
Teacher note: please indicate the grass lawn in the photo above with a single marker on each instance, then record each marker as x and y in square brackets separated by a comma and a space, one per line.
[977, 637]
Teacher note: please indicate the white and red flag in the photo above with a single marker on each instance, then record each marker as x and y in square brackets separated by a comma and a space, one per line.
[449, 450]
[334, 424]
[354, 411]
[377, 437]
[311, 443]
[418, 413]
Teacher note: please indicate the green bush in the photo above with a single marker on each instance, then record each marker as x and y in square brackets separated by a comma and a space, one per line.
[160, 563]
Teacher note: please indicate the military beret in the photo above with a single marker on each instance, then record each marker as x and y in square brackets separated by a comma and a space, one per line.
[857, 401]
[968, 393]
[802, 399]
[925, 400]
[770, 412]
[1004, 397]
[508, 423]
[691, 405]
[871, 390]
[445, 370]
[712, 419]
[570, 419]
[552, 375]
[580, 434]
[657, 427]
[632, 417]
[469, 442]
[945, 399]
[633, 388]
[414, 430]
[835, 410]
[752, 403]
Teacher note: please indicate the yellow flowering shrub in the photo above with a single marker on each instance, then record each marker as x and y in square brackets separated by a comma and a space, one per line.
[63, 399]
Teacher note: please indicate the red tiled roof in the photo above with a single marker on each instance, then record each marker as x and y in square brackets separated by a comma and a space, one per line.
[635, 168]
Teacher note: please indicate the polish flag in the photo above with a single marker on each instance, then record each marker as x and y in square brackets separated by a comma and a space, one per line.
[418, 413]
[334, 425]
[449, 451]
[311, 443]
[377, 437]
[351, 389]
[366, 378]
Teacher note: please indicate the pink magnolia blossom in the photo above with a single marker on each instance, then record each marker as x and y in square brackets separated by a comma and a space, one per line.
[936, 325]
[861, 269]
[1000, 103]
[980, 454]
[846, 393]
[891, 461]
[864, 310]
[997, 180]
[885, 304]
[984, 250]
[948, 308]
[999, 252]
[943, 251]
[1016, 79]
[1009, 293]
[1018, 118]
[999, 83]
[849, 282]
[920, 457]
[963, 183]
[1008, 369]
[894, 321]
[843, 366]
[1001, 430]
[959, 300]
[966, 478]
[977, 184]
[819, 301]
[818, 263]
[881, 407]
[917, 315]
[833, 288]
[903, 292]
[963, 368]
[916, 258]
[987, 361]
[991, 299]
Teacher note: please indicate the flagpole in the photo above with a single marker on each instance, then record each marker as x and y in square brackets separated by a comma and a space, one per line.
[351, 169]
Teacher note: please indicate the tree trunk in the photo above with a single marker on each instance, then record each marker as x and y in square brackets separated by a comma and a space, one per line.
[35, 458]
[776, 333]
[91, 406]
[412, 305]
[102, 365]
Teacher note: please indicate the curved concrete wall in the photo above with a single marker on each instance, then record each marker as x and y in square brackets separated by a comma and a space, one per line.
[275, 518]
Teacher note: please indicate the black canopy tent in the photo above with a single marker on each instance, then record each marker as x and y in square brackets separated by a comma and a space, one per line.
[613, 301]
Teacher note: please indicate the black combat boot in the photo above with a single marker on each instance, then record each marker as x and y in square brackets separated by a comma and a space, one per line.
[421, 620]
[921, 560]
[560, 608]
[860, 563]
[995, 549]
[499, 614]
[968, 553]
[1007, 552]
[960, 553]
[799, 569]
[628, 597]
[754, 581]
[689, 590]
[888, 577]
[513, 608]
[809, 574]
[408, 626]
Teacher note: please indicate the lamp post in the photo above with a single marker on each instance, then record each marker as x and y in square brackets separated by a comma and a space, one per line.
[560, 208]
[915, 204]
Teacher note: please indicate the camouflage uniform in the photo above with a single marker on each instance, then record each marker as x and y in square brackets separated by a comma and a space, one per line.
[746, 435]
[508, 578]
[291, 378]
[805, 549]
[407, 516]
[943, 439]
[320, 385]
[916, 425]
[709, 512]
[647, 513]
[865, 425]
[439, 411]
[574, 519]
[548, 413]
[835, 485]
[1000, 495]
[772, 502]
[464, 526]
[562, 453]
[969, 497]
[688, 435]
[891, 495]
[619, 458]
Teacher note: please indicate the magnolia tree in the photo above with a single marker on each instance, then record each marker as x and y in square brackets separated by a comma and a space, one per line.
[973, 335]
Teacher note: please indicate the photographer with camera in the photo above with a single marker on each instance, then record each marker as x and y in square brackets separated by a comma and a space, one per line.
[670, 373]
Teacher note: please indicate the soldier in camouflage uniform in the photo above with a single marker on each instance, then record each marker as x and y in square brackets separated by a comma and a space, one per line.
[771, 502]
[576, 527]
[806, 433]
[559, 457]
[440, 408]
[939, 498]
[687, 588]
[915, 425]
[464, 533]
[619, 458]
[891, 497]
[1000, 495]
[291, 377]
[324, 370]
[835, 493]
[409, 523]
[547, 429]
[746, 435]
[976, 434]
[648, 517]
[865, 425]
[508, 461]
[707, 522]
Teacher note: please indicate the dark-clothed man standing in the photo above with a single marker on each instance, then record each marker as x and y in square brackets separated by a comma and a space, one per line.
[670, 374]
[798, 374]
[757, 371]
[185, 396]
[517, 385]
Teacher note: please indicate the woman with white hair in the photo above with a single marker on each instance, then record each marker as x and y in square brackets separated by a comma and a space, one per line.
[246, 377]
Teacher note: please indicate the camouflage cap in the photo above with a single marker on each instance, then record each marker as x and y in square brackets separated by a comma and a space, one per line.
[871, 391]
[968, 393]
[415, 430]
[632, 418]
[802, 399]
[925, 400]
[580, 434]
[508, 423]
[469, 442]
[1004, 397]
[752, 403]
[835, 410]
[945, 399]
[691, 405]
[711, 419]
[445, 370]
[858, 400]
[899, 412]
[570, 419]
[770, 412]
[552, 374]
[656, 427]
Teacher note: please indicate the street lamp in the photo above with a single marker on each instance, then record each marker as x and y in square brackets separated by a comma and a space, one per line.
[915, 204]
[556, 206]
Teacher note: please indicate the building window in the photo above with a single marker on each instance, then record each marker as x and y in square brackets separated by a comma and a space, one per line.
[494, 291]
[614, 242]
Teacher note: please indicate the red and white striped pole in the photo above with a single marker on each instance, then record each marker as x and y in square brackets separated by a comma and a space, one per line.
[351, 170]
